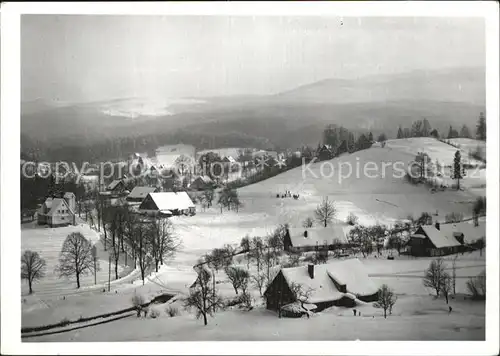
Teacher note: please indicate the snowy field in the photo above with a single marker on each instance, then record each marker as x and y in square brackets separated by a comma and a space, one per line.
[48, 243]
[428, 316]
[469, 144]
[383, 198]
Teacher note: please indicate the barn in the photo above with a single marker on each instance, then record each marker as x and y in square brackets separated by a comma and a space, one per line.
[309, 239]
[337, 283]
[168, 203]
[202, 183]
[138, 194]
[431, 240]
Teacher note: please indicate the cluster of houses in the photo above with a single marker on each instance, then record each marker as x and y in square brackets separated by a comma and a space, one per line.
[337, 283]
[444, 239]
[342, 282]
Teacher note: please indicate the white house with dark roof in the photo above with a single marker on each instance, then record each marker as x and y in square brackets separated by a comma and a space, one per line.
[57, 211]
[337, 283]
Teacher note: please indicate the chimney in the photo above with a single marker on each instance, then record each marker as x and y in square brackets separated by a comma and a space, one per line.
[305, 233]
[310, 270]
[437, 225]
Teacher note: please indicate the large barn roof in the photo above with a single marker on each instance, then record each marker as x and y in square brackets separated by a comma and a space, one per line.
[440, 238]
[471, 233]
[172, 200]
[318, 235]
[350, 273]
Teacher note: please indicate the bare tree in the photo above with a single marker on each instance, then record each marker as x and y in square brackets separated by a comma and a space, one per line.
[301, 293]
[245, 246]
[143, 239]
[386, 299]
[308, 223]
[477, 286]
[352, 219]
[446, 285]
[32, 267]
[360, 237]
[259, 280]
[163, 244]
[76, 257]
[209, 196]
[454, 274]
[480, 243]
[433, 277]
[257, 251]
[202, 298]
[238, 277]
[183, 163]
[325, 212]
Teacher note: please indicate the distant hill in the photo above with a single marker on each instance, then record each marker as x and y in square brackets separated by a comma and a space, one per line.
[463, 85]
[288, 119]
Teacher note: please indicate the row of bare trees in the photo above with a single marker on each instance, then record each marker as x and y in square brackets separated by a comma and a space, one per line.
[263, 252]
[148, 240]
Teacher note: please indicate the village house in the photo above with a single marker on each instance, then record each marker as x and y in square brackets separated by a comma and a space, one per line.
[168, 203]
[465, 232]
[431, 240]
[310, 239]
[337, 283]
[115, 188]
[325, 152]
[58, 211]
[202, 183]
[138, 194]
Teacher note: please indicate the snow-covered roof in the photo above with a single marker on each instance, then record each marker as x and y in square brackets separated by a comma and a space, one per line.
[53, 204]
[205, 179]
[172, 200]
[114, 184]
[322, 287]
[353, 274]
[140, 192]
[318, 235]
[346, 272]
[229, 159]
[440, 238]
[471, 233]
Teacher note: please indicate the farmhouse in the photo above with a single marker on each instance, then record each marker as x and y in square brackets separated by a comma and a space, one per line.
[58, 211]
[325, 152]
[337, 283]
[309, 239]
[201, 183]
[116, 187]
[168, 203]
[430, 240]
[465, 232]
[138, 194]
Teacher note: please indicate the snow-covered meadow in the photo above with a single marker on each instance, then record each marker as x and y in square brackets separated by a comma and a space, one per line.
[380, 196]
[48, 243]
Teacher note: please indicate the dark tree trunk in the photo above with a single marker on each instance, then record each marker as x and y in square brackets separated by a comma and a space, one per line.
[385, 313]
[156, 265]
[116, 269]
[78, 280]
[30, 283]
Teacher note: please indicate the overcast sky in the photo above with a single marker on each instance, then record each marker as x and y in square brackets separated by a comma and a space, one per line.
[87, 58]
